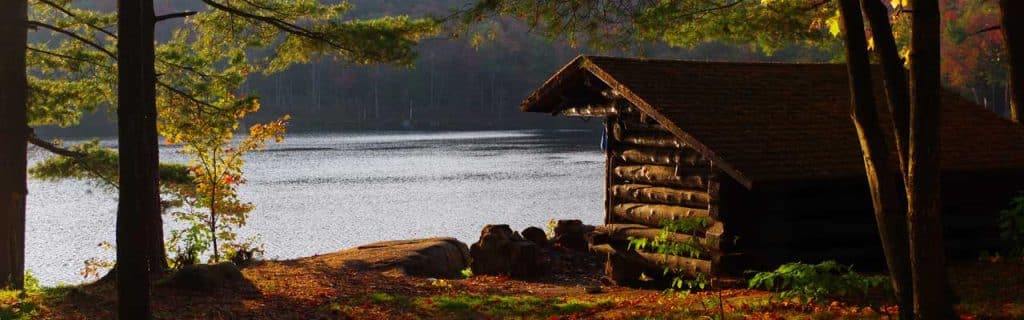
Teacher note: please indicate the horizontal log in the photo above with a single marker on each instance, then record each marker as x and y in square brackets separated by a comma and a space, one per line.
[590, 111]
[689, 178]
[684, 265]
[660, 195]
[659, 156]
[648, 139]
[631, 123]
[626, 231]
[688, 266]
[655, 214]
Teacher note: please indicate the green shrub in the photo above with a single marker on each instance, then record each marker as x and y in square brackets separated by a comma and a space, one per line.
[244, 253]
[816, 282]
[16, 304]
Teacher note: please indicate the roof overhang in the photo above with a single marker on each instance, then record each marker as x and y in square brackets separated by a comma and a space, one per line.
[552, 98]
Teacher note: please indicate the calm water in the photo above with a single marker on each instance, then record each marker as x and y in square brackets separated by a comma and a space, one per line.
[321, 193]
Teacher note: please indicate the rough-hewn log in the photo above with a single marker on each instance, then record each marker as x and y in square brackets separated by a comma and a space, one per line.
[647, 139]
[690, 178]
[660, 156]
[660, 195]
[714, 188]
[688, 266]
[655, 214]
[676, 263]
[630, 123]
[620, 231]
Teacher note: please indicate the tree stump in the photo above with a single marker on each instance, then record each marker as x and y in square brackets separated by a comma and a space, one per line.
[536, 235]
[571, 234]
[501, 251]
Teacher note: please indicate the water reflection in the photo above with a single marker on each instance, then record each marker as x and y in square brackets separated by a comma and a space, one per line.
[317, 193]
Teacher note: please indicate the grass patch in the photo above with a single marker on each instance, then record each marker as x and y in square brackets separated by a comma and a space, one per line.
[576, 306]
[508, 306]
[387, 299]
[381, 297]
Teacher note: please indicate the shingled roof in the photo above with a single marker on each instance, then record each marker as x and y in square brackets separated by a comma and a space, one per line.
[764, 122]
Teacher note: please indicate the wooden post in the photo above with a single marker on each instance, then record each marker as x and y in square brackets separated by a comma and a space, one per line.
[609, 165]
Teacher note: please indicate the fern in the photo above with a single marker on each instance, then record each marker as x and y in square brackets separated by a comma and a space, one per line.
[813, 283]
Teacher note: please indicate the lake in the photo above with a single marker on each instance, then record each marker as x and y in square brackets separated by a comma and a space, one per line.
[319, 193]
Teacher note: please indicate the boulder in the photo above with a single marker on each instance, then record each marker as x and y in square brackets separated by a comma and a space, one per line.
[433, 257]
[205, 277]
[501, 251]
[535, 235]
[571, 234]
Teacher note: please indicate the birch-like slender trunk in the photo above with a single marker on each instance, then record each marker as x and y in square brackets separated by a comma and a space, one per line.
[883, 175]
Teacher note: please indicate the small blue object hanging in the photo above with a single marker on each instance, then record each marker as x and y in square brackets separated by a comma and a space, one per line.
[604, 139]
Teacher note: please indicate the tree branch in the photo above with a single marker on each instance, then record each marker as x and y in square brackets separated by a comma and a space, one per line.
[278, 23]
[76, 156]
[74, 36]
[70, 14]
[64, 56]
[986, 29]
[187, 96]
[175, 15]
[53, 148]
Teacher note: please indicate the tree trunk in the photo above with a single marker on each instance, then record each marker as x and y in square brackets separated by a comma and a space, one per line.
[1011, 17]
[884, 179]
[927, 256]
[13, 137]
[139, 197]
[894, 74]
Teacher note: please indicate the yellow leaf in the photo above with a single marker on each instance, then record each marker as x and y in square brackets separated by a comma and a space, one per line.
[644, 277]
[833, 26]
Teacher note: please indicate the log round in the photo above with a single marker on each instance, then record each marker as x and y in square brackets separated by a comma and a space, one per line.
[655, 214]
[660, 195]
[663, 176]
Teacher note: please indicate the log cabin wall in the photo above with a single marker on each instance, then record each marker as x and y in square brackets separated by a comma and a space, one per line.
[653, 177]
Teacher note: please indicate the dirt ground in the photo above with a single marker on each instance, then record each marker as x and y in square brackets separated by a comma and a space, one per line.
[332, 287]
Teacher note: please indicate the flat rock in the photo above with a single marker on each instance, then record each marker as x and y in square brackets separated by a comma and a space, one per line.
[206, 277]
[433, 257]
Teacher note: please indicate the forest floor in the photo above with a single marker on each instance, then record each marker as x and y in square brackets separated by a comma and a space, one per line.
[325, 287]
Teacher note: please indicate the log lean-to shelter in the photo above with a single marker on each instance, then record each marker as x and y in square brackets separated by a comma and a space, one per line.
[765, 157]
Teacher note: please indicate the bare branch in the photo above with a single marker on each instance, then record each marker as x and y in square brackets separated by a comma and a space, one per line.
[987, 29]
